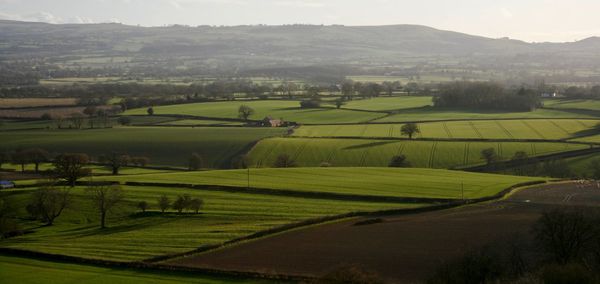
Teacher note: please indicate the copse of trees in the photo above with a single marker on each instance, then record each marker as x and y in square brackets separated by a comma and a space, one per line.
[486, 95]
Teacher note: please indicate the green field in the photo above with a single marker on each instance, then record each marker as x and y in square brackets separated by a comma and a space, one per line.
[288, 110]
[428, 183]
[163, 145]
[136, 236]
[378, 153]
[431, 113]
[31, 271]
[389, 103]
[572, 104]
[199, 122]
[484, 129]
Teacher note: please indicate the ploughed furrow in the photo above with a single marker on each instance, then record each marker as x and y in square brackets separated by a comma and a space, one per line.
[560, 127]
[447, 130]
[432, 154]
[504, 129]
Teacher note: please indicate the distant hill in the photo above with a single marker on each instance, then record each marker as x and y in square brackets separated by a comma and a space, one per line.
[271, 47]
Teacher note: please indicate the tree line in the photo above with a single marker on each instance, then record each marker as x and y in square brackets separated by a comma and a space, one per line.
[486, 95]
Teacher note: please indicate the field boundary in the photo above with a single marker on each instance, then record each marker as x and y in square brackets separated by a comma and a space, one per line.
[321, 220]
[293, 193]
[567, 140]
[147, 266]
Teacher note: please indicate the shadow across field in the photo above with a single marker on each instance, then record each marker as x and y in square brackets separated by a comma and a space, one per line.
[406, 248]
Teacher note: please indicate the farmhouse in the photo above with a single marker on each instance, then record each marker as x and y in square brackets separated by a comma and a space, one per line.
[550, 95]
[270, 122]
[4, 184]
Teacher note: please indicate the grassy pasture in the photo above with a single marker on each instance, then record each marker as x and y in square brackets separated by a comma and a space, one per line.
[194, 122]
[132, 235]
[431, 113]
[395, 182]
[31, 271]
[389, 103]
[163, 145]
[377, 153]
[288, 110]
[476, 129]
[573, 104]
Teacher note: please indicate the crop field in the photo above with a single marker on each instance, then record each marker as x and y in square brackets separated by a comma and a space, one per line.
[215, 144]
[35, 102]
[589, 139]
[476, 129]
[288, 110]
[30, 271]
[427, 183]
[427, 114]
[134, 236]
[378, 153]
[389, 103]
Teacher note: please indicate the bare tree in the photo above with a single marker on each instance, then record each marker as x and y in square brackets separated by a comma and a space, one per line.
[37, 156]
[566, 234]
[47, 203]
[90, 111]
[115, 161]
[76, 120]
[70, 167]
[58, 121]
[163, 203]
[143, 205]
[104, 199]
[196, 204]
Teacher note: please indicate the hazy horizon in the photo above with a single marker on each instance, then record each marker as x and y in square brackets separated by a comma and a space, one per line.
[533, 21]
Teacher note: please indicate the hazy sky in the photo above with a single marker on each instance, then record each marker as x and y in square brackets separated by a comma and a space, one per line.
[530, 20]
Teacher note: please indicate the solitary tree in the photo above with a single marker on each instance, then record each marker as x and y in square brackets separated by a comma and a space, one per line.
[399, 162]
[163, 203]
[196, 204]
[115, 161]
[70, 167]
[143, 205]
[284, 161]
[47, 203]
[520, 156]
[150, 111]
[195, 162]
[244, 112]
[104, 199]
[489, 155]
[410, 129]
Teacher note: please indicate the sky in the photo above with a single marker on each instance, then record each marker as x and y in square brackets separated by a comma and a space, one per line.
[528, 20]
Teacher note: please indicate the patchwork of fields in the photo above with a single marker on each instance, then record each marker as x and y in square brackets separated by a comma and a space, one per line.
[136, 236]
[542, 129]
[312, 152]
[165, 146]
[287, 110]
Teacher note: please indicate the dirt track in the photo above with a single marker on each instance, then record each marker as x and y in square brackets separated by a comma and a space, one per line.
[402, 248]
